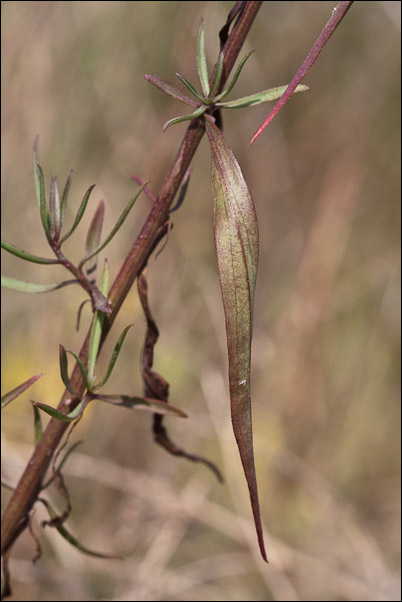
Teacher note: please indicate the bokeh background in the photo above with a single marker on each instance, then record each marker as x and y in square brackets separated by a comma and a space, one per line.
[325, 178]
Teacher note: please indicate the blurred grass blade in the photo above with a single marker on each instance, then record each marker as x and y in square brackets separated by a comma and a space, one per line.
[202, 60]
[114, 357]
[192, 88]
[40, 190]
[73, 415]
[80, 213]
[260, 97]
[218, 75]
[92, 242]
[175, 120]
[141, 403]
[11, 395]
[235, 77]
[236, 240]
[116, 227]
[38, 429]
[170, 89]
[64, 370]
[54, 210]
[32, 287]
[96, 330]
[8, 246]
[70, 538]
[64, 196]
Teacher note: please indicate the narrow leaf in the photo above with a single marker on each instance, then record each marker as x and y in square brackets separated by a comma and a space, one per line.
[96, 330]
[81, 367]
[80, 213]
[115, 228]
[235, 77]
[64, 369]
[40, 190]
[70, 538]
[114, 357]
[192, 88]
[175, 120]
[218, 75]
[141, 403]
[260, 97]
[92, 241]
[11, 395]
[38, 430]
[64, 196]
[8, 246]
[54, 210]
[202, 60]
[32, 287]
[236, 240]
[170, 89]
[183, 191]
[73, 415]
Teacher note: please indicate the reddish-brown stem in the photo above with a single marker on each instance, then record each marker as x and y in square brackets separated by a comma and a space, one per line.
[15, 515]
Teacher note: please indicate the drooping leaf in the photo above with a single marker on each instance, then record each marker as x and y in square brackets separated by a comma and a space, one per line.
[193, 115]
[239, 69]
[70, 538]
[202, 60]
[55, 218]
[40, 191]
[260, 97]
[170, 90]
[64, 196]
[80, 213]
[11, 395]
[92, 242]
[73, 415]
[192, 88]
[146, 404]
[114, 357]
[96, 330]
[236, 240]
[32, 287]
[8, 246]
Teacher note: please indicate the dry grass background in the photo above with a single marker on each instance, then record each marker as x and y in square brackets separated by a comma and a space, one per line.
[325, 179]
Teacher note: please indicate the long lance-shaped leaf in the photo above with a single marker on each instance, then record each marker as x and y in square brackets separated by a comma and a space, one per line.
[92, 241]
[260, 97]
[192, 88]
[218, 75]
[96, 331]
[14, 393]
[148, 404]
[181, 118]
[54, 210]
[73, 415]
[80, 213]
[8, 246]
[64, 196]
[236, 240]
[64, 370]
[170, 90]
[32, 287]
[235, 77]
[114, 357]
[202, 60]
[40, 191]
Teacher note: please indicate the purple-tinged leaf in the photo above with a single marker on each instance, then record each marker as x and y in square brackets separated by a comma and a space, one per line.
[100, 302]
[70, 538]
[146, 404]
[54, 211]
[181, 118]
[32, 287]
[223, 94]
[80, 213]
[170, 89]
[11, 395]
[202, 60]
[8, 246]
[337, 15]
[236, 240]
[259, 97]
[192, 88]
[145, 189]
[114, 357]
[92, 242]
[183, 191]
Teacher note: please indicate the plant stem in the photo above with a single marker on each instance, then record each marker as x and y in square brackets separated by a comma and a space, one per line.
[15, 515]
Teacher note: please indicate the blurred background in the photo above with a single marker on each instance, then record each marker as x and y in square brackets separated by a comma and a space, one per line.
[325, 178]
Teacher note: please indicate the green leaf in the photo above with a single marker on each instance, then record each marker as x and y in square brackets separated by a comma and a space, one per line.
[8, 246]
[170, 89]
[32, 287]
[64, 370]
[218, 75]
[236, 240]
[235, 77]
[40, 191]
[202, 60]
[64, 196]
[175, 120]
[114, 357]
[96, 330]
[70, 538]
[92, 241]
[192, 89]
[80, 213]
[141, 403]
[81, 367]
[260, 97]
[73, 415]
[116, 227]
[11, 395]
[54, 210]
[38, 430]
